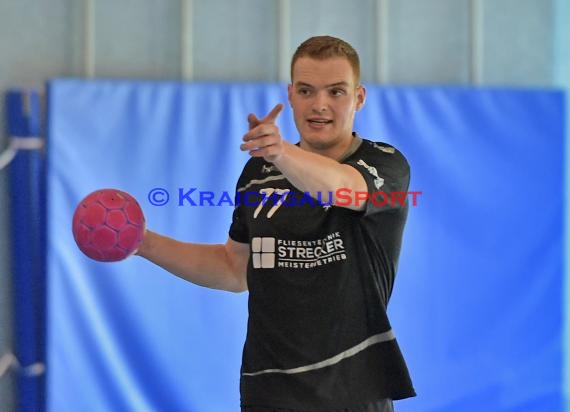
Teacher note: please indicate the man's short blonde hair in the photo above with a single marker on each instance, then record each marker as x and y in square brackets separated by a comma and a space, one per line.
[326, 47]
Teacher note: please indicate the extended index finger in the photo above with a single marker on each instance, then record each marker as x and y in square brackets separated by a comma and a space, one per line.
[273, 113]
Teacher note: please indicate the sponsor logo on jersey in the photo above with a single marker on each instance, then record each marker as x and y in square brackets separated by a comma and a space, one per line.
[265, 169]
[263, 252]
[385, 149]
[270, 252]
[378, 181]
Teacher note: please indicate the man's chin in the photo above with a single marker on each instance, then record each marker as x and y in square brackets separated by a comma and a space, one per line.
[318, 141]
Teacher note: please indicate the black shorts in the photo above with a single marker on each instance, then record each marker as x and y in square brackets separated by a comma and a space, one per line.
[384, 405]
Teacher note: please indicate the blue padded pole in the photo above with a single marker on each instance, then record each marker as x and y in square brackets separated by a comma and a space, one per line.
[27, 216]
[562, 79]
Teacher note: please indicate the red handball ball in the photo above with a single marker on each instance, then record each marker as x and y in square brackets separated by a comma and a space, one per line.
[108, 225]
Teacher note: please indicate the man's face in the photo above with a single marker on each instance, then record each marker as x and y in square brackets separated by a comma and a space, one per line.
[324, 98]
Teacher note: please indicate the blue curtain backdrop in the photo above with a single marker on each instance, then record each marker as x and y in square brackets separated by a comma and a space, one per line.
[477, 305]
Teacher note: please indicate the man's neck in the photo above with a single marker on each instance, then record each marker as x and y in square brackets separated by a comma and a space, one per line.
[339, 152]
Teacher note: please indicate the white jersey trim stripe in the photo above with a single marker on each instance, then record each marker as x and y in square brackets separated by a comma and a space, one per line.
[372, 340]
[260, 181]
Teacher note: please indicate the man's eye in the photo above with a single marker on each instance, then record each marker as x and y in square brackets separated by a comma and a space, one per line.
[337, 92]
[304, 92]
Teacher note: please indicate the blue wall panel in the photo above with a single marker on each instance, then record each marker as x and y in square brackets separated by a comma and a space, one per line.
[477, 305]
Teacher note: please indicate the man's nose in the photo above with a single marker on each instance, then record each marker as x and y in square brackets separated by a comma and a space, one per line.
[320, 103]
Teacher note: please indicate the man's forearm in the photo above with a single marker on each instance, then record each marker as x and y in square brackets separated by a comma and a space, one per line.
[211, 266]
[313, 173]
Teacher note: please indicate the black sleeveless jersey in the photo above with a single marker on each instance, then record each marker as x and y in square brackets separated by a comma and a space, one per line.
[320, 277]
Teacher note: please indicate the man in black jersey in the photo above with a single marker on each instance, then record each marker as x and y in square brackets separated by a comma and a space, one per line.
[318, 260]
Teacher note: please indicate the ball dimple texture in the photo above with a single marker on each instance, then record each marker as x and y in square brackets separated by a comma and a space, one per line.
[103, 238]
[134, 213]
[112, 199]
[92, 214]
[116, 219]
[127, 236]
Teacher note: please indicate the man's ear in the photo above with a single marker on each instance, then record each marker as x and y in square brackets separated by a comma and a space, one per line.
[360, 97]
[289, 92]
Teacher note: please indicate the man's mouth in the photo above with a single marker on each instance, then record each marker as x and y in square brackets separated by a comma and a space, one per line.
[319, 122]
